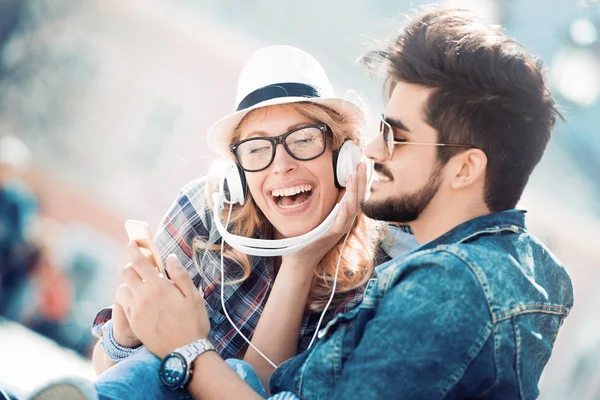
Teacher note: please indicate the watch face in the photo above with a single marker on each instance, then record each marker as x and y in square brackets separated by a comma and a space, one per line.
[173, 370]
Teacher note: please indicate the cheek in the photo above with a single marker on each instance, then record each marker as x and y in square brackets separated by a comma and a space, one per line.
[329, 191]
[412, 170]
[255, 181]
[324, 172]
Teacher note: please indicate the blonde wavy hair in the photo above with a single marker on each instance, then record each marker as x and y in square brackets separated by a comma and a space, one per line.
[356, 265]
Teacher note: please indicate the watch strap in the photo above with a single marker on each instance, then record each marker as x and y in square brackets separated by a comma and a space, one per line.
[191, 351]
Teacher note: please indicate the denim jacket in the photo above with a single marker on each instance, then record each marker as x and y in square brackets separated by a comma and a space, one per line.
[472, 314]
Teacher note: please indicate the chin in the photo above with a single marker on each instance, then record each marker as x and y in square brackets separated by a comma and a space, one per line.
[294, 228]
[288, 233]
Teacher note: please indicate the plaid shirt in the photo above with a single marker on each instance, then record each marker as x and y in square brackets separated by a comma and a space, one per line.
[191, 216]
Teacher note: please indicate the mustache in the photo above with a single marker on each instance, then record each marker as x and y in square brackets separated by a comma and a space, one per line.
[382, 170]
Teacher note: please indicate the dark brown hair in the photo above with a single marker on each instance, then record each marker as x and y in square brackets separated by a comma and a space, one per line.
[488, 92]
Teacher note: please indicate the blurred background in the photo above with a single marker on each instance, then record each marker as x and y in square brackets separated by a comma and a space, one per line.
[104, 105]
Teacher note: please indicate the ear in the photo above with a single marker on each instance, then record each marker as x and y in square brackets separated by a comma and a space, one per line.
[469, 168]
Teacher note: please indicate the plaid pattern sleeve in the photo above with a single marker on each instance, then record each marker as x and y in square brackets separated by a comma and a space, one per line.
[100, 319]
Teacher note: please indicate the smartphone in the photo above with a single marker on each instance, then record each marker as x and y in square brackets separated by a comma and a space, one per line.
[139, 232]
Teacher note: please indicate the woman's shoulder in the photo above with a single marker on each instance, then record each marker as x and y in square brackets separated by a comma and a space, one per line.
[191, 213]
[194, 196]
[195, 189]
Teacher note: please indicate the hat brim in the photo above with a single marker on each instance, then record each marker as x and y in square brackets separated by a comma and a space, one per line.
[219, 132]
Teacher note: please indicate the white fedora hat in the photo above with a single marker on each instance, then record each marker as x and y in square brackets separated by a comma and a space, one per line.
[278, 75]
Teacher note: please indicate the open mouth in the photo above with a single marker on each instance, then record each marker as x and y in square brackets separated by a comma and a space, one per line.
[292, 197]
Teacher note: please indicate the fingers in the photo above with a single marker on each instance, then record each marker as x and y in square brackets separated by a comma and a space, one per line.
[347, 210]
[140, 263]
[131, 278]
[180, 277]
[354, 195]
[351, 195]
[340, 221]
[124, 298]
[361, 174]
[356, 188]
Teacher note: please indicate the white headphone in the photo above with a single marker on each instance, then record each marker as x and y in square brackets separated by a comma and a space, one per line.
[233, 190]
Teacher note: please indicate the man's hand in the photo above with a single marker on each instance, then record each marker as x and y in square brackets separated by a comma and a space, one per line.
[163, 314]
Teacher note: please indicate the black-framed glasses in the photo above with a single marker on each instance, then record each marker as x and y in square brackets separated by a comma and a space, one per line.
[387, 131]
[304, 143]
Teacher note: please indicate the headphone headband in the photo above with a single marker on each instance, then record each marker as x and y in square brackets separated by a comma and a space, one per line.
[232, 190]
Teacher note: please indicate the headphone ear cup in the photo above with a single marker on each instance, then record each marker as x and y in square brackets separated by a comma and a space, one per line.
[345, 161]
[244, 184]
[233, 187]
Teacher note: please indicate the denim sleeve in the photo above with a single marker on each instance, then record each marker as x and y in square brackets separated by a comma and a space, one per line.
[425, 332]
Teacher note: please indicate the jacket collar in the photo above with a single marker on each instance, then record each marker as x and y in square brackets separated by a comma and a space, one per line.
[511, 220]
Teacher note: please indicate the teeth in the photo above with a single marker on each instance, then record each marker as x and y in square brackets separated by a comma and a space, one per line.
[291, 191]
[380, 178]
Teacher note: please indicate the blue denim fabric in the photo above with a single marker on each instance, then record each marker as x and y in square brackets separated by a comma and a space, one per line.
[137, 378]
[472, 314]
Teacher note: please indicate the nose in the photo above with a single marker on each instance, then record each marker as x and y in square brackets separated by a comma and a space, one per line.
[376, 150]
[283, 162]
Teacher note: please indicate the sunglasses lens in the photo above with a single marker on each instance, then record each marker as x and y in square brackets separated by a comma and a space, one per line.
[385, 130]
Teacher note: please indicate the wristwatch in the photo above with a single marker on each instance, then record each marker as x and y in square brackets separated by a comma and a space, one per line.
[175, 370]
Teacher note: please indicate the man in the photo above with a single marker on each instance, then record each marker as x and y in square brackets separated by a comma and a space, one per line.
[474, 311]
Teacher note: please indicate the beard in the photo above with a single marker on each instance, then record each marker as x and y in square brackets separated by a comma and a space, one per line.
[404, 208]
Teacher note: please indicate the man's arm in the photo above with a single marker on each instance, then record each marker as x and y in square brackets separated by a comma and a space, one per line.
[425, 332]
[213, 379]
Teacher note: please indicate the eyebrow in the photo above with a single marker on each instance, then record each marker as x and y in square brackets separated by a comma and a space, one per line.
[396, 123]
[291, 127]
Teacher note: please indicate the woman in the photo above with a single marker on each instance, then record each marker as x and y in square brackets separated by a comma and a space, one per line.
[283, 93]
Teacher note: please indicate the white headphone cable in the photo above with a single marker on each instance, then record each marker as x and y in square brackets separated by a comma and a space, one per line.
[223, 300]
[337, 269]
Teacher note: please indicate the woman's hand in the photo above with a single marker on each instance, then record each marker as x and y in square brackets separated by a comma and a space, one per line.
[278, 328]
[312, 254]
[121, 329]
[164, 314]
